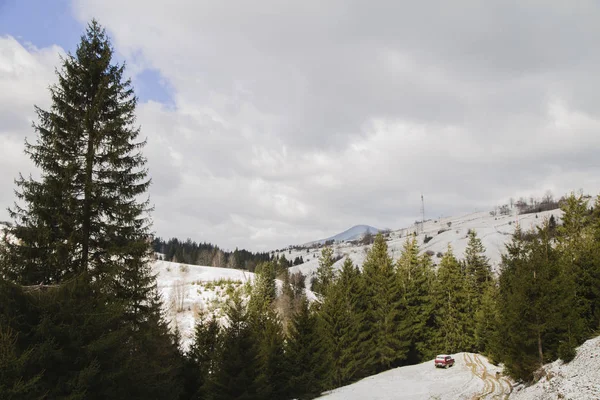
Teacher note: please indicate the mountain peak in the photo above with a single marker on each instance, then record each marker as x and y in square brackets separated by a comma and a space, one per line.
[356, 232]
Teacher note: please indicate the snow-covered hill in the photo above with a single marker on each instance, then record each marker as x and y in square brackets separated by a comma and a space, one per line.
[354, 233]
[189, 289]
[494, 232]
[471, 377]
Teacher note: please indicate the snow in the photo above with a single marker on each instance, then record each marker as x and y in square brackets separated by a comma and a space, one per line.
[577, 380]
[494, 232]
[188, 290]
[198, 288]
[356, 232]
[472, 376]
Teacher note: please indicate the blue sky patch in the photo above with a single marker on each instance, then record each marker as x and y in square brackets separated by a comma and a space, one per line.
[44, 23]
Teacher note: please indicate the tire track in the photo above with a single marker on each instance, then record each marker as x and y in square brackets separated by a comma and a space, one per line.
[494, 387]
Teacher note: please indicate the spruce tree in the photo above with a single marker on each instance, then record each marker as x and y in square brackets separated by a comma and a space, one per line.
[478, 277]
[539, 319]
[202, 357]
[452, 309]
[237, 366]
[325, 273]
[272, 379]
[83, 214]
[578, 247]
[385, 343]
[415, 274]
[341, 323]
[306, 355]
[81, 228]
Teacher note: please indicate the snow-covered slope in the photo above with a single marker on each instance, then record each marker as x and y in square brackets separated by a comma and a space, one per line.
[494, 232]
[356, 232]
[188, 290]
[471, 377]
[577, 380]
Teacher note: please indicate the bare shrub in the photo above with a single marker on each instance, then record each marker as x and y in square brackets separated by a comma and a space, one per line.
[178, 295]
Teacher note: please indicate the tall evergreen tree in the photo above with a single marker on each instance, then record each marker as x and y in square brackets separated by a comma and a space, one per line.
[325, 273]
[415, 274]
[83, 215]
[384, 341]
[306, 355]
[236, 369]
[341, 324]
[578, 247]
[82, 228]
[538, 314]
[452, 309]
[202, 357]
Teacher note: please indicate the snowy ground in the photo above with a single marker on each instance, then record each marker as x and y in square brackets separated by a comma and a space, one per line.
[188, 290]
[494, 232]
[471, 377]
[577, 380]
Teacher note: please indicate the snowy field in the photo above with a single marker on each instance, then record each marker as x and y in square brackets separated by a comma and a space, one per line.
[188, 290]
[471, 377]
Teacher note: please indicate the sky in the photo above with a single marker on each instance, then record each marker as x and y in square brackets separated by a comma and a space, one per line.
[273, 123]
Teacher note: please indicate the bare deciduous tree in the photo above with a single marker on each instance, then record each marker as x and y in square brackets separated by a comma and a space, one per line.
[178, 294]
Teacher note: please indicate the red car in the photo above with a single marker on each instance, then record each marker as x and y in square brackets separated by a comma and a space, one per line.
[444, 361]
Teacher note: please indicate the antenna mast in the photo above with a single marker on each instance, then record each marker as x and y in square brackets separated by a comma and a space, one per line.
[422, 213]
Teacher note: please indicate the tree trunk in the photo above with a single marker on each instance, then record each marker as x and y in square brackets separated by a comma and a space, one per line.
[540, 351]
[89, 163]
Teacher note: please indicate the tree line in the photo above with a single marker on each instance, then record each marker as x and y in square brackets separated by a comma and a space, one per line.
[191, 252]
[207, 254]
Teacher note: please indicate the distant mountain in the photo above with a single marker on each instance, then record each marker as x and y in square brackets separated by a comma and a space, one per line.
[356, 232]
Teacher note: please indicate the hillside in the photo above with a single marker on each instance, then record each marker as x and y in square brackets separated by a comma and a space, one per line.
[494, 231]
[188, 289]
[472, 376]
[354, 233]
[577, 380]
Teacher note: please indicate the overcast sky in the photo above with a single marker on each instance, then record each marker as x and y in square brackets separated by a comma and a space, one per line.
[276, 122]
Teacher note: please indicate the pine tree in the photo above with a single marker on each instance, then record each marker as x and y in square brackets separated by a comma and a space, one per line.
[306, 357]
[236, 369]
[272, 380]
[385, 342]
[325, 273]
[81, 228]
[83, 215]
[486, 323]
[579, 252]
[202, 357]
[451, 305]
[478, 277]
[341, 323]
[415, 274]
[539, 320]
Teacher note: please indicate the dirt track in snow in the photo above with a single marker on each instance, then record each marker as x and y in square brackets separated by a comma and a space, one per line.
[493, 387]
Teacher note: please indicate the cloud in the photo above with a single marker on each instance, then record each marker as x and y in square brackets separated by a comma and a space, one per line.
[288, 122]
[25, 74]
